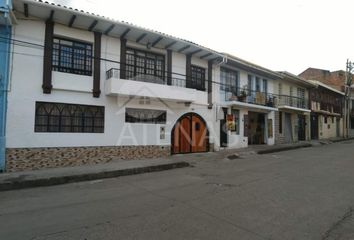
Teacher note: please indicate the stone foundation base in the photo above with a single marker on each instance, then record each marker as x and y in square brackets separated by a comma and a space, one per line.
[22, 159]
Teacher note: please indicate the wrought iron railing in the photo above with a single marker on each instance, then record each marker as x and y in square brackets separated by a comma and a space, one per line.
[232, 93]
[291, 101]
[248, 96]
[158, 77]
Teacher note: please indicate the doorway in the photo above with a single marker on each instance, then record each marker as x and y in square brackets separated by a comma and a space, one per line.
[189, 135]
[288, 130]
[314, 126]
[256, 128]
[223, 130]
[302, 127]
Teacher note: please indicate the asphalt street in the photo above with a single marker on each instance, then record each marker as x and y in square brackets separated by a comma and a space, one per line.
[299, 194]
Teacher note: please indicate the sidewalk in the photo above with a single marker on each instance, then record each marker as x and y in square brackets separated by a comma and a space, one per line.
[55, 176]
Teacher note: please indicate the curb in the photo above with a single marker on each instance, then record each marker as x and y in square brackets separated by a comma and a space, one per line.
[286, 148]
[342, 139]
[43, 182]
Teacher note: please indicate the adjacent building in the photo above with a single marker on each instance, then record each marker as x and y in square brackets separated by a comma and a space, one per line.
[326, 112]
[335, 80]
[293, 117]
[246, 104]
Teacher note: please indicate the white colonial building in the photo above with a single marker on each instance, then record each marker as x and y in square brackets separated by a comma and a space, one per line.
[87, 89]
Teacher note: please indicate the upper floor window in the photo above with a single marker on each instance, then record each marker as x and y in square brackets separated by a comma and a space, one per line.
[265, 85]
[258, 84]
[250, 84]
[72, 56]
[145, 66]
[280, 89]
[301, 93]
[198, 78]
[229, 80]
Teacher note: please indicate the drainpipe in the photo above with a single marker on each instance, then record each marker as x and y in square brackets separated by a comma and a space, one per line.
[5, 32]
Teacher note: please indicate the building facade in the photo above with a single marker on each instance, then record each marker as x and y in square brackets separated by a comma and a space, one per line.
[293, 118]
[246, 106]
[326, 112]
[335, 80]
[86, 89]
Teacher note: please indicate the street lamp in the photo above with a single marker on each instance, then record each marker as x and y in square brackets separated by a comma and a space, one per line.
[348, 87]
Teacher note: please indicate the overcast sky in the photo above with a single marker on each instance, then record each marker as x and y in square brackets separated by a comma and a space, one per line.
[277, 34]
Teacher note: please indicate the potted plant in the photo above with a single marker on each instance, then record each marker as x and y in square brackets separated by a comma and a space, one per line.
[243, 94]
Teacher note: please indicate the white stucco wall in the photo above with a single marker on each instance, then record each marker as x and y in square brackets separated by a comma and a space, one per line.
[26, 89]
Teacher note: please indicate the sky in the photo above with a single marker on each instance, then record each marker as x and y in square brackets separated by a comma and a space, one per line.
[282, 35]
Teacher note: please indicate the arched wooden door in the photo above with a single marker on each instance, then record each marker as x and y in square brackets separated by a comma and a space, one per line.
[190, 135]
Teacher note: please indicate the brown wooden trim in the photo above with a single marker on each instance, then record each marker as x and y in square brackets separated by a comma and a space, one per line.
[195, 52]
[170, 44]
[123, 51]
[25, 7]
[156, 41]
[188, 70]
[47, 61]
[210, 84]
[97, 65]
[141, 37]
[51, 16]
[72, 20]
[109, 29]
[184, 48]
[125, 33]
[169, 67]
[93, 24]
[205, 55]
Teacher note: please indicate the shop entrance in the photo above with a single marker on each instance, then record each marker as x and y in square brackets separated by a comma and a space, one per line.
[256, 128]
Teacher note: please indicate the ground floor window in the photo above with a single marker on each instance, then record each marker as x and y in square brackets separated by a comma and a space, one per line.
[352, 122]
[138, 115]
[62, 117]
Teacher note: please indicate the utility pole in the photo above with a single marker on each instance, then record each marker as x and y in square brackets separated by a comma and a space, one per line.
[347, 86]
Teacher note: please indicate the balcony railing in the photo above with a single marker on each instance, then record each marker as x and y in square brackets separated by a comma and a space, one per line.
[291, 101]
[158, 77]
[261, 98]
[248, 96]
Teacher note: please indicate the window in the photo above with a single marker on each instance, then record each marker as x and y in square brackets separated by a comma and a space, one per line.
[280, 89]
[62, 117]
[229, 81]
[301, 98]
[137, 115]
[265, 86]
[352, 123]
[258, 84]
[72, 56]
[325, 119]
[250, 84]
[280, 122]
[146, 66]
[198, 77]
[236, 117]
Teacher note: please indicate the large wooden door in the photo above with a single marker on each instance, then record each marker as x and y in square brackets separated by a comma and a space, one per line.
[189, 135]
